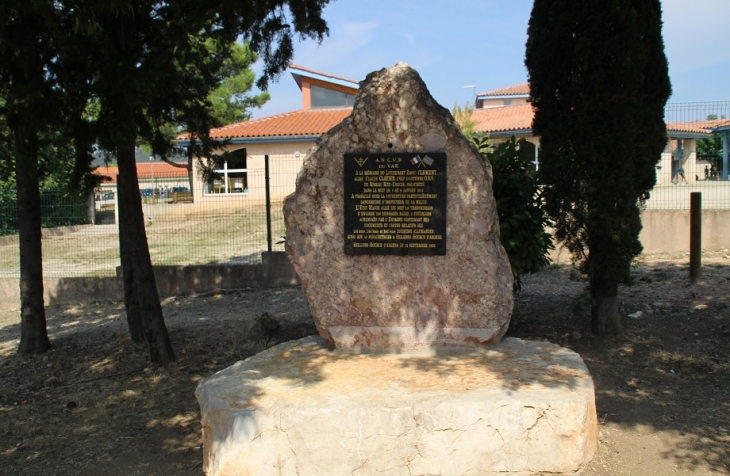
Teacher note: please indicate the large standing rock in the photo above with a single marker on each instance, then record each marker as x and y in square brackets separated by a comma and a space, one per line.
[463, 298]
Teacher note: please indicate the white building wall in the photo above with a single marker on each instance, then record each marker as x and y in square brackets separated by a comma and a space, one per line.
[501, 102]
[285, 161]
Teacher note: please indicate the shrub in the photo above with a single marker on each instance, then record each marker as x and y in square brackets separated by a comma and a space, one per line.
[522, 221]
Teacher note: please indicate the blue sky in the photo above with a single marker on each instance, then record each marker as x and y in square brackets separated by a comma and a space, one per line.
[459, 43]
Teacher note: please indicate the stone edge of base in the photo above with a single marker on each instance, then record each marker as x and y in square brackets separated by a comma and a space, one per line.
[413, 337]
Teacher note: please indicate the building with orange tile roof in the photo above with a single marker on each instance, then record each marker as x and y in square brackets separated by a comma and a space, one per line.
[284, 138]
[146, 171]
[510, 96]
[327, 100]
[303, 124]
[505, 112]
[505, 120]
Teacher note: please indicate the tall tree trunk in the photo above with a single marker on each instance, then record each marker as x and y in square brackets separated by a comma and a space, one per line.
[142, 303]
[33, 333]
[605, 316]
[131, 301]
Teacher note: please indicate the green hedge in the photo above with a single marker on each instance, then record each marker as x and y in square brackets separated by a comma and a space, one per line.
[57, 209]
[522, 220]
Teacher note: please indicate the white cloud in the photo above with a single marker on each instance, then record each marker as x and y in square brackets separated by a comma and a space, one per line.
[346, 40]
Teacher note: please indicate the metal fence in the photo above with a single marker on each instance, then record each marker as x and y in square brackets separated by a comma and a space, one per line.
[697, 145]
[58, 209]
[81, 238]
[696, 157]
[215, 228]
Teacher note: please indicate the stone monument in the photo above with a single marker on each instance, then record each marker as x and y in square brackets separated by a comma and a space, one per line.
[393, 231]
[361, 247]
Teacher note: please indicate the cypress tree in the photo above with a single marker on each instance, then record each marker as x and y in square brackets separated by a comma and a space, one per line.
[598, 82]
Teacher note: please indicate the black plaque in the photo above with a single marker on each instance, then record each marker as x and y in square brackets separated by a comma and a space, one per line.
[395, 203]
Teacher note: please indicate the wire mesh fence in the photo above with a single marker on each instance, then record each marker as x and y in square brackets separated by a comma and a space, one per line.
[715, 196]
[186, 224]
[224, 220]
[694, 160]
[59, 209]
[696, 157]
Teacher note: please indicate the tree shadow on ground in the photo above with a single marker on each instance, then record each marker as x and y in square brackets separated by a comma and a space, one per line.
[95, 405]
[672, 371]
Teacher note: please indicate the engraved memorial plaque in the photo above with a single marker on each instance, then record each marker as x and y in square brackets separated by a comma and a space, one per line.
[395, 203]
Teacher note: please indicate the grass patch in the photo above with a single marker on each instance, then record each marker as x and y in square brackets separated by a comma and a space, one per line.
[177, 234]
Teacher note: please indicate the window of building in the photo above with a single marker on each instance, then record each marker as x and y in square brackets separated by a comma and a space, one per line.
[323, 97]
[229, 174]
[507, 102]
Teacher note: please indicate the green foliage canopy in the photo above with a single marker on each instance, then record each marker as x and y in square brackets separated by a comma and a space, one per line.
[463, 117]
[522, 220]
[230, 101]
[145, 65]
[152, 64]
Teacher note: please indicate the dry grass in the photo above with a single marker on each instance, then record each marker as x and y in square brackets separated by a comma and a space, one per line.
[177, 234]
[662, 390]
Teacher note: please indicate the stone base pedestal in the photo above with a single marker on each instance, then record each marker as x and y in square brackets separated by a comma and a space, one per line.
[520, 407]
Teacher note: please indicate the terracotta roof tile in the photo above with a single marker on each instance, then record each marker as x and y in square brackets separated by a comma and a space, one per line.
[516, 90]
[701, 127]
[502, 119]
[312, 122]
[160, 170]
[519, 117]
[144, 171]
[108, 174]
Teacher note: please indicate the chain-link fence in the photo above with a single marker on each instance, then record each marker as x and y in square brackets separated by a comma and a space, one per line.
[224, 220]
[696, 157]
[186, 223]
[694, 160]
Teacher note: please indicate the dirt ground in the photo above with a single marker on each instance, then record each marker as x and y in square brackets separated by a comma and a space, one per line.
[95, 406]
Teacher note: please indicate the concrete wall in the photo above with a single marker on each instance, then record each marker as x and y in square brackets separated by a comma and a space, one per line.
[58, 291]
[667, 231]
[276, 271]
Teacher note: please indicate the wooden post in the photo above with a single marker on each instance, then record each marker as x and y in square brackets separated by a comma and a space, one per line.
[695, 237]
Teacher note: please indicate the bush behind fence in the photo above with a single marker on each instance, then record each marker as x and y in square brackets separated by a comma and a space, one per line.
[58, 208]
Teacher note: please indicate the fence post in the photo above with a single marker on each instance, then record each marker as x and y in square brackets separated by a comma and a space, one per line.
[695, 237]
[116, 222]
[725, 143]
[268, 203]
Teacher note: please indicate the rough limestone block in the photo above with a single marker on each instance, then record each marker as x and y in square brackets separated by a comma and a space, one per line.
[461, 299]
[519, 407]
